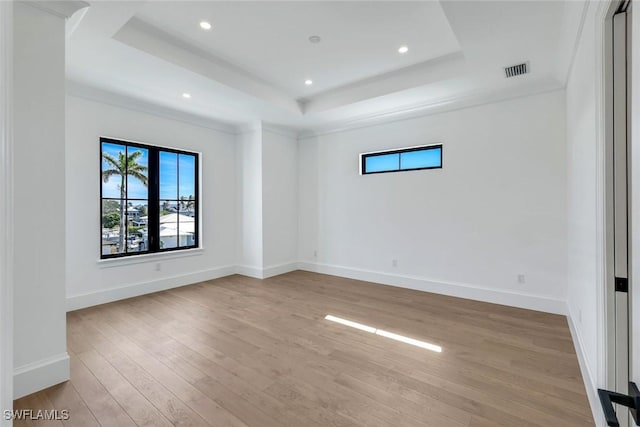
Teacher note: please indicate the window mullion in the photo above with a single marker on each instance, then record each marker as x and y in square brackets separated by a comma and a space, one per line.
[153, 221]
[196, 203]
[178, 200]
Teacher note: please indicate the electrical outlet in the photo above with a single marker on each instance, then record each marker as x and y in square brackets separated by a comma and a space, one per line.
[394, 262]
[521, 279]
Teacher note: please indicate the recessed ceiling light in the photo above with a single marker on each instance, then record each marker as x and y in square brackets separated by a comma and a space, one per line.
[403, 49]
[315, 39]
[186, 95]
[308, 82]
[205, 25]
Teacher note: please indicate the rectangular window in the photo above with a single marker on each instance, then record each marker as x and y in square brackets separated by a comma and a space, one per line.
[149, 199]
[403, 159]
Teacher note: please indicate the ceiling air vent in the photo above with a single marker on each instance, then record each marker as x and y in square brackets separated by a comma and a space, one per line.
[516, 70]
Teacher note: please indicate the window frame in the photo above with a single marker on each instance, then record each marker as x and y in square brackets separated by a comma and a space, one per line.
[399, 151]
[153, 197]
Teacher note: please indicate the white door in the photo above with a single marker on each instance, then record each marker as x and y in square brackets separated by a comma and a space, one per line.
[620, 194]
[621, 199]
[634, 138]
[622, 210]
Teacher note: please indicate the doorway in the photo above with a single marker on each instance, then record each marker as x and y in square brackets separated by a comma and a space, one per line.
[618, 169]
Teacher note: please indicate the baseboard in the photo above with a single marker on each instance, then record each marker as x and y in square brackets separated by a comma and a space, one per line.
[275, 270]
[513, 299]
[249, 271]
[268, 271]
[531, 302]
[76, 302]
[39, 375]
[587, 377]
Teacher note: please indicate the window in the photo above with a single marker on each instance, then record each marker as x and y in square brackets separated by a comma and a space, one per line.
[403, 159]
[149, 199]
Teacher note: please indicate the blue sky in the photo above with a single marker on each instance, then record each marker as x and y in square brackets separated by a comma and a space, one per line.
[407, 160]
[385, 162]
[169, 163]
[168, 174]
[421, 159]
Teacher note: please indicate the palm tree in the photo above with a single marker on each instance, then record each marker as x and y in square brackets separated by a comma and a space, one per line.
[124, 166]
[165, 207]
[187, 203]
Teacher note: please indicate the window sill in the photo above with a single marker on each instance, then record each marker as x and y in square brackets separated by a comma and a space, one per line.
[141, 259]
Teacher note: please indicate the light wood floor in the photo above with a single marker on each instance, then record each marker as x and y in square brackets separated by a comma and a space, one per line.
[238, 351]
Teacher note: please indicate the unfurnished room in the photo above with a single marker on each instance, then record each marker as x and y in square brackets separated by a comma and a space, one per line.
[320, 213]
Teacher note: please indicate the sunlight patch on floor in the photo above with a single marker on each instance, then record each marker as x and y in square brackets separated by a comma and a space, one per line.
[383, 333]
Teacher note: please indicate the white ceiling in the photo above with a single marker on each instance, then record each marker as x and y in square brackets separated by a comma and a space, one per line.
[270, 40]
[252, 64]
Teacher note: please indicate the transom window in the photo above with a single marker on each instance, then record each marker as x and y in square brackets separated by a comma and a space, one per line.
[402, 159]
[149, 199]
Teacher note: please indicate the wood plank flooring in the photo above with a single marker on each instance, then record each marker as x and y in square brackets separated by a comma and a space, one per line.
[245, 352]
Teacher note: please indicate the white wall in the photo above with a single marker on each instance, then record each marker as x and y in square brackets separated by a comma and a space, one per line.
[40, 354]
[581, 196]
[90, 281]
[585, 206]
[280, 202]
[267, 162]
[6, 207]
[496, 210]
[250, 200]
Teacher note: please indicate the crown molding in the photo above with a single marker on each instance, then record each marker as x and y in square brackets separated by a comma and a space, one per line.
[427, 109]
[285, 131]
[74, 22]
[61, 9]
[261, 126]
[249, 127]
[91, 93]
[576, 44]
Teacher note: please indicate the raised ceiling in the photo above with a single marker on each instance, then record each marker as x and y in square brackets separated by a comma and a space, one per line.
[253, 63]
[270, 40]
